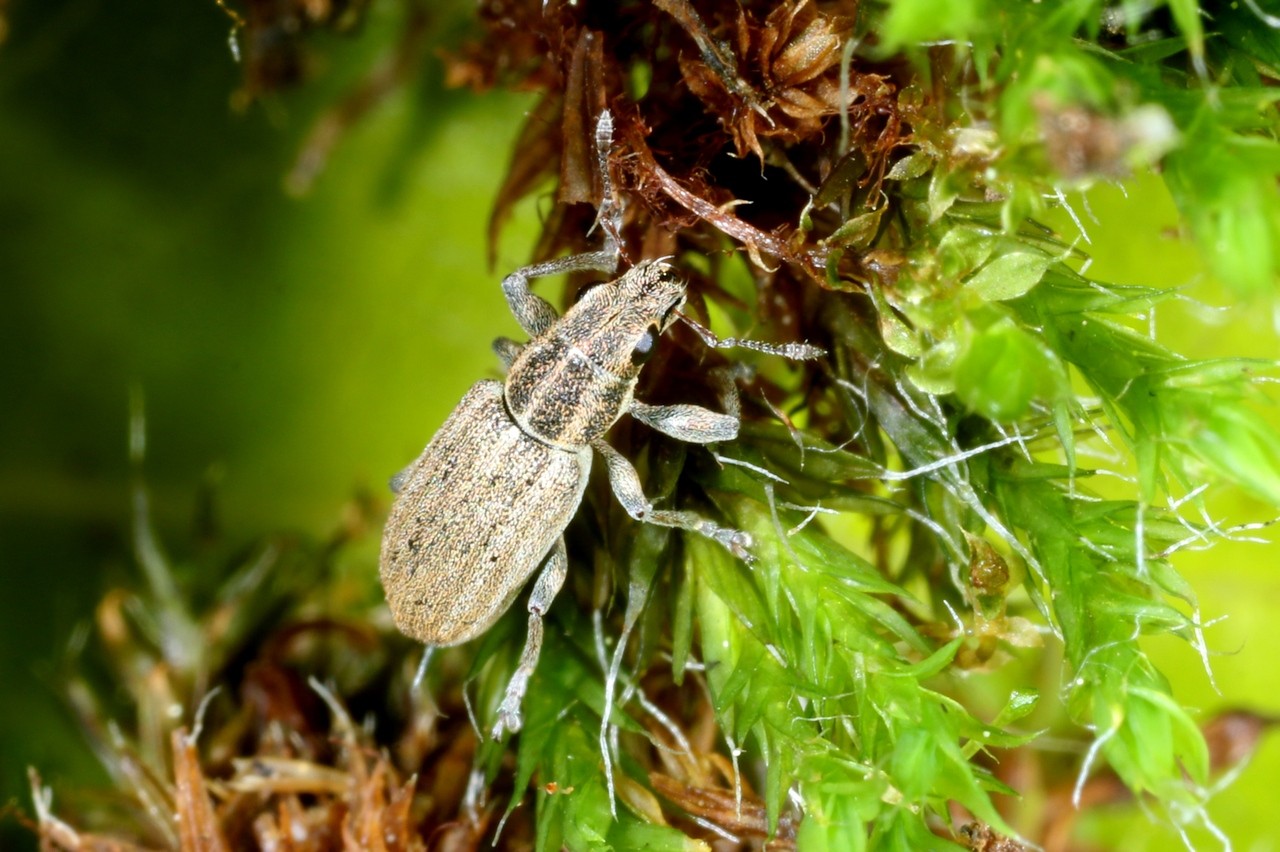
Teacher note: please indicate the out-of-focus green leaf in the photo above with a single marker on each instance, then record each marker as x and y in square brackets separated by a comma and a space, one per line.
[1186, 13]
[859, 231]
[841, 798]
[1009, 275]
[962, 249]
[911, 166]
[1003, 368]
[935, 371]
[1234, 442]
[943, 192]
[1224, 184]
[1021, 703]
[910, 22]
[897, 334]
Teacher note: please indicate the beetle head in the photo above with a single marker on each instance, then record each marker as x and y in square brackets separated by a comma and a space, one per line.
[617, 323]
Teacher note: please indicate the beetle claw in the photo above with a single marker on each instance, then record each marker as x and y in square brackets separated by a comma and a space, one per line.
[509, 720]
[736, 542]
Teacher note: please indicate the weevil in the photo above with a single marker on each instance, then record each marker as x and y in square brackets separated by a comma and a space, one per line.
[489, 499]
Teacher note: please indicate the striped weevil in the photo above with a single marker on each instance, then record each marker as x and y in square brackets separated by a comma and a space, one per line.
[489, 499]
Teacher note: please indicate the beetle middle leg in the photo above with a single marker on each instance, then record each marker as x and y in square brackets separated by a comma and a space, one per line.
[626, 487]
[692, 424]
[507, 351]
[544, 591]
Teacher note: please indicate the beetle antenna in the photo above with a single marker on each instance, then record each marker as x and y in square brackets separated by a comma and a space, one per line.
[791, 351]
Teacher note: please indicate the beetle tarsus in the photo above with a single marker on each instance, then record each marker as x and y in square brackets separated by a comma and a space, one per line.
[509, 721]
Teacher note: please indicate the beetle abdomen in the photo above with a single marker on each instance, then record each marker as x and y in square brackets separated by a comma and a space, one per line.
[475, 516]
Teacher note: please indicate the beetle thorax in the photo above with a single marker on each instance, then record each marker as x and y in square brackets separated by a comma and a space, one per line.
[573, 381]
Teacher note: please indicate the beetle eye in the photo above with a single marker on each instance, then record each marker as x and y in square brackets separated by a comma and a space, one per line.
[644, 346]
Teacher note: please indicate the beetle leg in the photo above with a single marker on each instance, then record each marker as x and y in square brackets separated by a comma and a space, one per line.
[692, 424]
[544, 591]
[626, 487]
[726, 382]
[534, 313]
[507, 350]
[396, 484]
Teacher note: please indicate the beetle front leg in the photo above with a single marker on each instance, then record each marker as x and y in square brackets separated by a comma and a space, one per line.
[534, 313]
[626, 487]
[544, 592]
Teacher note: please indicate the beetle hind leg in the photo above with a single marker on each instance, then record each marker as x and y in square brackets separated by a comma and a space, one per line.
[421, 674]
[544, 592]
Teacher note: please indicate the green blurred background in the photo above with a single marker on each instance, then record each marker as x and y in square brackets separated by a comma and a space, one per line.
[296, 350]
[292, 350]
